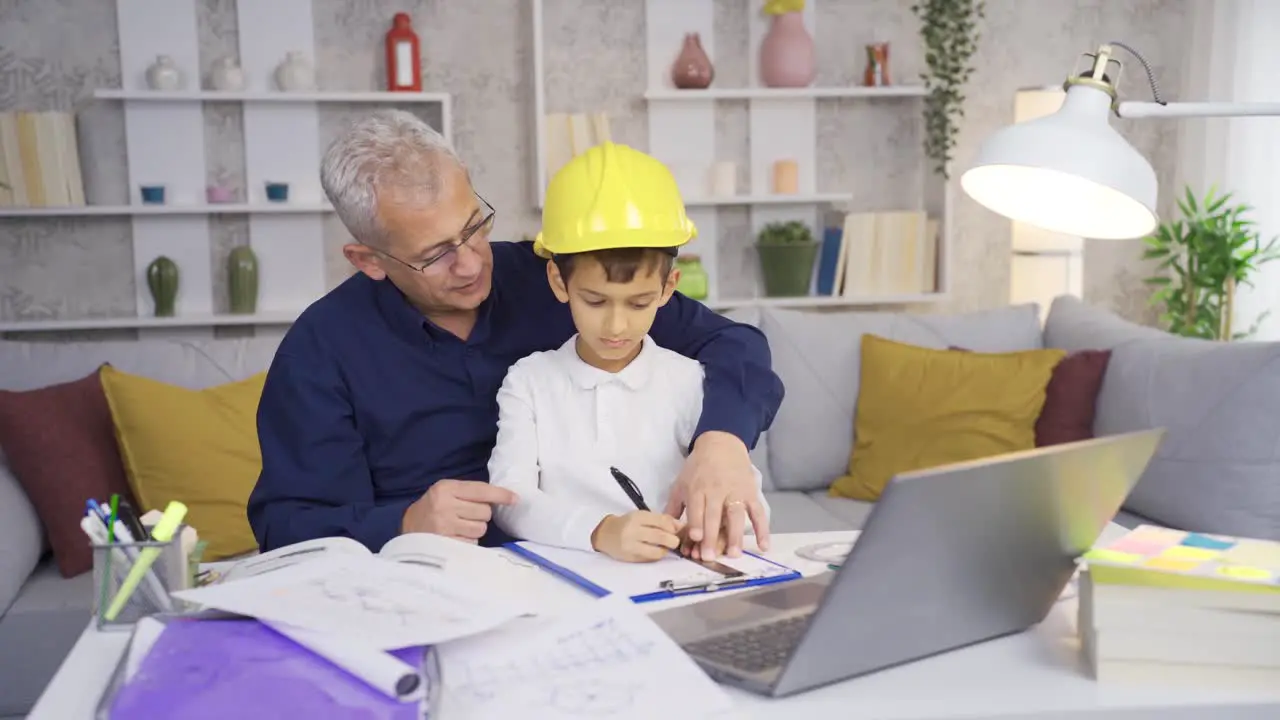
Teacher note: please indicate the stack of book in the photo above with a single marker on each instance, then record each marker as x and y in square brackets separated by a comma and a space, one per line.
[878, 254]
[39, 160]
[1176, 607]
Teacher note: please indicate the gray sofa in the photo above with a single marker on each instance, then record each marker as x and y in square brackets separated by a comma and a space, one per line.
[1217, 470]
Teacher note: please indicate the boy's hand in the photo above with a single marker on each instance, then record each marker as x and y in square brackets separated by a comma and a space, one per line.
[692, 549]
[638, 536]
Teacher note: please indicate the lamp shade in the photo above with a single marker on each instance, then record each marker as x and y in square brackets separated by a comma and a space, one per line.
[1068, 172]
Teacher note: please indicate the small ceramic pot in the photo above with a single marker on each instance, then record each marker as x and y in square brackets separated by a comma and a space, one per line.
[218, 194]
[786, 177]
[724, 179]
[226, 75]
[163, 74]
[295, 73]
[153, 194]
[278, 191]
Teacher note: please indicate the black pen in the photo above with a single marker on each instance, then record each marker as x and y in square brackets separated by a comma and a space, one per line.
[132, 521]
[629, 488]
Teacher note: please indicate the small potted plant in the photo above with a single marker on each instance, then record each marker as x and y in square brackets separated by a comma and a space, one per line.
[787, 252]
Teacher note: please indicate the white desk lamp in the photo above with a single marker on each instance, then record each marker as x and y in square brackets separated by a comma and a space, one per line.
[1071, 172]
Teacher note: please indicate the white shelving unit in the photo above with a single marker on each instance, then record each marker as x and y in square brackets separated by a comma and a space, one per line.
[286, 318]
[191, 321]
[682, 133]
[768, 93]
[283, 208]
[164, 133]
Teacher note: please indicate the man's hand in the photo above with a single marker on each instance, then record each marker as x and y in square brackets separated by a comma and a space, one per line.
[459, 509]
[691, 549]
[718, 488]
[638, 536]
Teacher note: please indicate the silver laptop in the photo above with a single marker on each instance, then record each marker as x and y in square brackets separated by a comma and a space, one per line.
[948, 557]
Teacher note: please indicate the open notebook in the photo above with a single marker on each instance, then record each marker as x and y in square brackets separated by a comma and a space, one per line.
[670, 577]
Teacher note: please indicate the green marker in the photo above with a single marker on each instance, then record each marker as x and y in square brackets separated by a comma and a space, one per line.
[115, 513]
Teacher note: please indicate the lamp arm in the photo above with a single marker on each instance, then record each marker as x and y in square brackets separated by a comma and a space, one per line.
[1130, 109]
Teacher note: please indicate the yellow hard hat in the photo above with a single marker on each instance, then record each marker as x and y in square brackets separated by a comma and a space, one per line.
[612, 196]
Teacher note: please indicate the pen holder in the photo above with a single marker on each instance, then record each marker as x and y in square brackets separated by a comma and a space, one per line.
[149, 594]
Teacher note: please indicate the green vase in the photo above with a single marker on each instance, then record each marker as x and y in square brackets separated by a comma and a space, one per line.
[242, 280]
[787, 267]
[162, 280]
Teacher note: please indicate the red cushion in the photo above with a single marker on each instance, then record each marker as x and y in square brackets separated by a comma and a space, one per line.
[1071, 397]
[61, 445]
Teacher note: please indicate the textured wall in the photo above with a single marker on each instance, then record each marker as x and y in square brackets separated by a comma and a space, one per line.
[53, 53]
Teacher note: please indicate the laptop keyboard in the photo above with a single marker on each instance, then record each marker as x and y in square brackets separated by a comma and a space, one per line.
[754, 649]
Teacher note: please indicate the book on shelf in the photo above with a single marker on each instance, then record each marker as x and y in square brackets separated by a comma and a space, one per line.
[1175, 606]
[568, 135]
[40, 160]
[877, 254]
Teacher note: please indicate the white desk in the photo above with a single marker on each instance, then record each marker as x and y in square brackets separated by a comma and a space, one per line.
[1036, 674]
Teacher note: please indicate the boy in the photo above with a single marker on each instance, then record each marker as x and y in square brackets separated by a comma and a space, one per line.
[590, 433]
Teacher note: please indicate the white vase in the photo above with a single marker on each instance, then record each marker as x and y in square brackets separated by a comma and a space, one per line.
[226, 75]
[295, 73]
[164, 74]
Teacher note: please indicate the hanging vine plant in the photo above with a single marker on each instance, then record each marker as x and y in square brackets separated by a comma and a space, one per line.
[949, 29]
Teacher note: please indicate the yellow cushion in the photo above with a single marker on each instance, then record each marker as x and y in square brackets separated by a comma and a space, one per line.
[199, 447]
[920, 408]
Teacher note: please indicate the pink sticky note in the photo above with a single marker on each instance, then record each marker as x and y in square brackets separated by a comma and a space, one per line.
[1137, 546]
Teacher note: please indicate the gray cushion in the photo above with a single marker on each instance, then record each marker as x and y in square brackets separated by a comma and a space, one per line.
[818, 356]
[193, 364]
[760, 453]
[21, 536]
[852, 512]
[1073, 325]
[38, 631]
[792, 512]
[1218, 469]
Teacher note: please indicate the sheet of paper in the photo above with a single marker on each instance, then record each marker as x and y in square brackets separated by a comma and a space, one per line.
[634, 579]
[610, 661]
[386, 604]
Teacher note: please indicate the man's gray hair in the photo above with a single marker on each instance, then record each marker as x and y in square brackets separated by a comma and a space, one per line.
[390, 151]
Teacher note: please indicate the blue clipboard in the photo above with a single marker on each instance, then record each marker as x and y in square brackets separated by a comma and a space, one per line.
[664, 594]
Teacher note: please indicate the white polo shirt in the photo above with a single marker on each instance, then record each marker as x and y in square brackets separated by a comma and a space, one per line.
[563, 423]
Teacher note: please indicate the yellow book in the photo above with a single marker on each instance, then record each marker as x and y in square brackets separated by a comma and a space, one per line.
[1152, 556]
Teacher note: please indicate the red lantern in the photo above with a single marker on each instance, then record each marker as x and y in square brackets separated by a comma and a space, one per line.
[404, 66]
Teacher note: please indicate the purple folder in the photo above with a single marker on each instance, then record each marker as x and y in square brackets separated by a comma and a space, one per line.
[242, 669]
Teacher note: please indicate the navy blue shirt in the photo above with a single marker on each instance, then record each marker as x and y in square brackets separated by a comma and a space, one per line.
[367, 404]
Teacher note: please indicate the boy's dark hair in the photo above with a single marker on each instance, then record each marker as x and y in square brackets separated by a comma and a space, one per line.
[621, 264]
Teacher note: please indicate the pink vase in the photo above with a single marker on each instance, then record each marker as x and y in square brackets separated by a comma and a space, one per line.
[692, 69]
[787, 57]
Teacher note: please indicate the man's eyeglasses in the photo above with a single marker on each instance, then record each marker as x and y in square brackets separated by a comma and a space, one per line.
[450, 250]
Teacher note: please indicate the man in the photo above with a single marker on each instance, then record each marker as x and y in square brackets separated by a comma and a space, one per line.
[379, 411]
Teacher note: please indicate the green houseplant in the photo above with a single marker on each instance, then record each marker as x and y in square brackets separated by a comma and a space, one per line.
[787, 254]
[1203, 256]
[949, 29]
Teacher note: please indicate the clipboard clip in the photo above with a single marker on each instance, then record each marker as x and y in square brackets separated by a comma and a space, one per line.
[676, 587]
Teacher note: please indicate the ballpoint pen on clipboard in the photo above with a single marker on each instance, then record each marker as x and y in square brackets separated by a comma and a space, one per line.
[633, 491]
